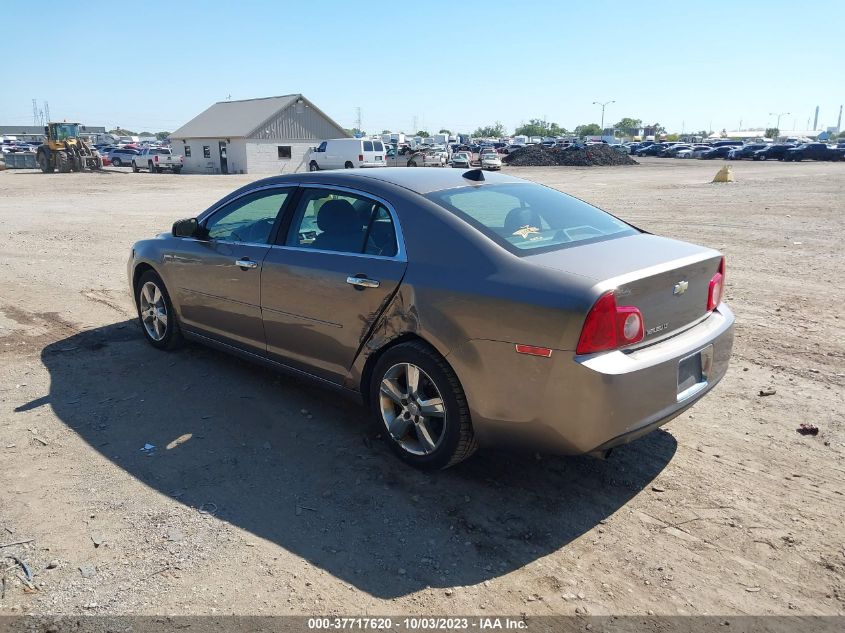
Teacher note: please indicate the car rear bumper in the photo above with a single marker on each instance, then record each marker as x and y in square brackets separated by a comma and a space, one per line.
[570, 404]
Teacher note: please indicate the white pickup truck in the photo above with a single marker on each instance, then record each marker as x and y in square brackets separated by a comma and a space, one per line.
[157, 159]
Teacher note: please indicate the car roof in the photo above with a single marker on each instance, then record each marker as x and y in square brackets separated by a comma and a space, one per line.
[422, 180]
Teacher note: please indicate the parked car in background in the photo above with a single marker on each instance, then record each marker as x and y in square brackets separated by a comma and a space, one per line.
[427, 159]
[512, 148]
[462, 160]
[332, 276]
[491, 162]
[812, 151]
[122, 156]
[651, 150]
[157, 160]
[746, 151]
[693, 151]
[716, 152]
[347, 153]
[672, 151]
[773, 152]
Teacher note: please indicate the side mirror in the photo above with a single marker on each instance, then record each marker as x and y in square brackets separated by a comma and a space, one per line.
[185, 228]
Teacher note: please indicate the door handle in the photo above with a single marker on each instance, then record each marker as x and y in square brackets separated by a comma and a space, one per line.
[246, 263]
[362, 282]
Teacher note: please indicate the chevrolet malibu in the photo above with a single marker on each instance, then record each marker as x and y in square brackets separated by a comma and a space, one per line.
[464, 309]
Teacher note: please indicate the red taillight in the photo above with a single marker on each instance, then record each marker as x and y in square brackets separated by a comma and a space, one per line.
[155, 158]
[717, 288]
[361, 157]
[609, 326]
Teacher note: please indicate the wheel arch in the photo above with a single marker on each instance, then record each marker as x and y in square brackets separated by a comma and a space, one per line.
[140, 268]
[373, 358]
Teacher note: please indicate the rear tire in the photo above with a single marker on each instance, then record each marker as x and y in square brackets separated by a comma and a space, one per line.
[399, 404]
[177, 170]
[116, 162]
[349, 165]
[135, 169]
[153, 301]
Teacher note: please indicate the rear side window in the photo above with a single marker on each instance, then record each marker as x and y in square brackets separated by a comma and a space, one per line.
[526, 218]
[342, 222]
[368, 146]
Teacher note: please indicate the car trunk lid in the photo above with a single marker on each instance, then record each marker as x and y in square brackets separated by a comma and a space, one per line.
[667, 280]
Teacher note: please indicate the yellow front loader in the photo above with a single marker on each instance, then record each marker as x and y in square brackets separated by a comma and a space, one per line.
[64, 150]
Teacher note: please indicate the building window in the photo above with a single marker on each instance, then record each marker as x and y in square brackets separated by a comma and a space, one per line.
[206, 151]
[187, 151]
[284, 151]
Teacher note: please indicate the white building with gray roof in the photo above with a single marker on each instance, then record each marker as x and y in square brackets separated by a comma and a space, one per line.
[272, 135]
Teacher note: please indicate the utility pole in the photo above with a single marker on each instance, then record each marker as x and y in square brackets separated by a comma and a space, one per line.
[778, 115]
[46, 113]
[34, 112]
[603, 106]
[358, 119]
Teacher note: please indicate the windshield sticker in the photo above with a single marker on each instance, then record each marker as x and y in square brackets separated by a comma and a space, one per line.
[525, 231]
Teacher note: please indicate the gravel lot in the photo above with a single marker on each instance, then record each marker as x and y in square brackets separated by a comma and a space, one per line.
[268, 495]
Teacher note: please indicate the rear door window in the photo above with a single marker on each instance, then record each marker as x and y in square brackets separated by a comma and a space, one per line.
[378, 146]
[342, 222]
[368, 146]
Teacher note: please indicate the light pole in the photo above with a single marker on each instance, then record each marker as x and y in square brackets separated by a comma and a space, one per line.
[603, 106]
[778, 115]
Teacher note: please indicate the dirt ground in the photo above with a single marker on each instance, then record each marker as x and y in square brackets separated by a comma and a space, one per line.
[266, 495]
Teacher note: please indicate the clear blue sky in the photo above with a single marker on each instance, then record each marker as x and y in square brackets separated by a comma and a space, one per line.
[453, 64]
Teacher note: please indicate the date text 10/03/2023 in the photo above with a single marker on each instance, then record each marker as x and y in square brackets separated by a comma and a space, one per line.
[417, 623]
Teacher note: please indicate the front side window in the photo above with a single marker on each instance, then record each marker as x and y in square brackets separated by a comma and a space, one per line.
[528, 217]
[206, 151]
[249, 219]
[343, 222]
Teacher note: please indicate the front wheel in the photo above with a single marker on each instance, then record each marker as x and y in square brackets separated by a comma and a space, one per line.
[417, 399]
[313, 166]
[134, 167]
[156, 313]
[116, 162]
[45, 164]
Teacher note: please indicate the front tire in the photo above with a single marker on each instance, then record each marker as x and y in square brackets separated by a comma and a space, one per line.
[313, 166]
[156, 313]
[44, 163]
[417, 399]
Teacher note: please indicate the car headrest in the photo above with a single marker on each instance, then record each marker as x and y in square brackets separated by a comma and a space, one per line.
[519, 217]
[338, 216]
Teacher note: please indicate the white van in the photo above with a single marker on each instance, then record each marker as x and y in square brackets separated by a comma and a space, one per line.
[347, 153]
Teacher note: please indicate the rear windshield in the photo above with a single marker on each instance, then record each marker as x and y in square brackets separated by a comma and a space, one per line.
[163, 152]
[530, 218]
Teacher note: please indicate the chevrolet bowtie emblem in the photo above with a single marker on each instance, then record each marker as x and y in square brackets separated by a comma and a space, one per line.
[680, 288]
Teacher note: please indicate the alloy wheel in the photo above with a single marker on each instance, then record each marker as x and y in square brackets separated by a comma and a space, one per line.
[153, 311]
[412, 408]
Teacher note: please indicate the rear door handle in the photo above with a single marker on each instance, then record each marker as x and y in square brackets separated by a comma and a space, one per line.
[362, 282]
[246, 263]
